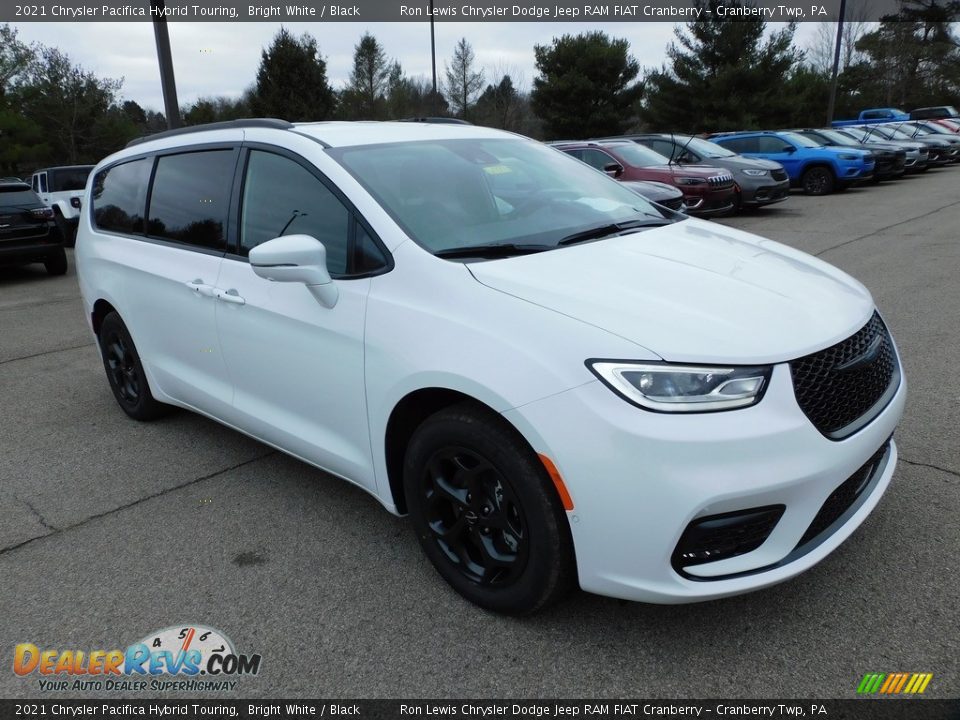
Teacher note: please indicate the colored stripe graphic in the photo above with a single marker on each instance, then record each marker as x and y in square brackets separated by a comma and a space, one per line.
[894, 683]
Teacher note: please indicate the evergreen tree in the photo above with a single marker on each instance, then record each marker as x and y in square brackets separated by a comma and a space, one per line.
[723, 75]
[586, 86]
[464, 80]
[365, 97]
[292, 80]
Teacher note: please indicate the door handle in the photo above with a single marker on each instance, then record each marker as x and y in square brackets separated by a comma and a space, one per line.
[201, 288]
[231, 296]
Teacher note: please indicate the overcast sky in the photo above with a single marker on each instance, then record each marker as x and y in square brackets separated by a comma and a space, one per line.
[222, 58]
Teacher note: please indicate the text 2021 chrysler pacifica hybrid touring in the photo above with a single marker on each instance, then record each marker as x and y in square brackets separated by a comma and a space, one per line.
[558, 381]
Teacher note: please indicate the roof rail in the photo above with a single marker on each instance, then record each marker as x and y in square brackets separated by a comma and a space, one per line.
[436, 120]
[224, 125]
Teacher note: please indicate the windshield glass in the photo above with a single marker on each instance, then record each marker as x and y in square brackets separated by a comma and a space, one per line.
[449, 194]
[18, 196]
[839, 138]
[70, 178]
[638, 155]
[703, 148]
[800, 140]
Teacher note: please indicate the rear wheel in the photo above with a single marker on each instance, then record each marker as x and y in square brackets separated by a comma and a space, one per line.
[56, 264]
[486, 513]
[818, 181]
[125, 371]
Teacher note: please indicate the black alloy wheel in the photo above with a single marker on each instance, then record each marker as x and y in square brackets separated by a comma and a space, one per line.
[475, 516]
[485, 511]
[818, 181]
[125, 371]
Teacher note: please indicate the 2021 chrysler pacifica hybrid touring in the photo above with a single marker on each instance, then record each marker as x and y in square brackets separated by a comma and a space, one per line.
[558, 381]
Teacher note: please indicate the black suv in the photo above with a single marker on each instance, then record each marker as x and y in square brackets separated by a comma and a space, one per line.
[758, 182]
[28, 233]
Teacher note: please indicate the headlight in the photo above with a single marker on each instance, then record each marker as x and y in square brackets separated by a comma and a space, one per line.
[848, 156]
[683, 388]
[691, 181]
[755, 173]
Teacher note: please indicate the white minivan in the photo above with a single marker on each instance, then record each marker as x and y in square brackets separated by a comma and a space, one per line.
[560, 382]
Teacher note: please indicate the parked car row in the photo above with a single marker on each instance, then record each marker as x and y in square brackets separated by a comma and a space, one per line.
[731, 171]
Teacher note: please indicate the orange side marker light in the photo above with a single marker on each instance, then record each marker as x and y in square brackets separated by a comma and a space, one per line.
[557, 482]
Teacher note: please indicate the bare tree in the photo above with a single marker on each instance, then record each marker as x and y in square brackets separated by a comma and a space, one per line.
[464, 81]
[855, 25]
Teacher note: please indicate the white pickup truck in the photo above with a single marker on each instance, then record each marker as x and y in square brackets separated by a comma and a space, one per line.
[61, 189]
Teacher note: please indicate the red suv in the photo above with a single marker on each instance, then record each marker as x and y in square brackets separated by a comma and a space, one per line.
[706, 190]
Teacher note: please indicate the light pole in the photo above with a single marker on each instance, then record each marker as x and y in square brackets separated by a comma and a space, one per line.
[836, 64]
[168, 83]
[433, 62]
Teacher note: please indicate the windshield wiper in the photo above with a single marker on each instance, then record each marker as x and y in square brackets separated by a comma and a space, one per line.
[492, 251]
[612, 229]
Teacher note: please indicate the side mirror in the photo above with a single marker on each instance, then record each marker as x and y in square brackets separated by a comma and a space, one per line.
[788, 149]
[296, 259]
[614, 170]
[685, 159]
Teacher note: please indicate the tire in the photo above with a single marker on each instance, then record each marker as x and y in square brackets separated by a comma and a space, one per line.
[56, 264]
[125, 371]
[472, 483]
[67, 231]
[818, 180]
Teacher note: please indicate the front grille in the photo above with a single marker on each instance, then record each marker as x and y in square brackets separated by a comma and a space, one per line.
[838, 386]
[721, 181]
[844, 496]
[778, 175]
[719, 537]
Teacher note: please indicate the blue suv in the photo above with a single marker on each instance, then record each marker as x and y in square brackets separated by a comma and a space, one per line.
[818, 170]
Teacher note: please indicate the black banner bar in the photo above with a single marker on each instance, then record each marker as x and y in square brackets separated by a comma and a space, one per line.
[559, 11]
[859, 709]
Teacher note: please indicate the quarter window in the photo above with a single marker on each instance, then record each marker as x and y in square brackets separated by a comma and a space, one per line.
[119, 196]
[190, 198]
[282, 197]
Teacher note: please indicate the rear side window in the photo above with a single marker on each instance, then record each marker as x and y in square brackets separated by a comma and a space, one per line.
[739, 144]
[119, 195]
[190, 198]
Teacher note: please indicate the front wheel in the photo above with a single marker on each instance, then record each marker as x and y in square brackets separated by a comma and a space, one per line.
[486, 513]
[125, 371]
[817, 181]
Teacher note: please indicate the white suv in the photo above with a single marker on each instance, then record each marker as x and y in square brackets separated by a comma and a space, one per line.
[559, 382]
[61, 189]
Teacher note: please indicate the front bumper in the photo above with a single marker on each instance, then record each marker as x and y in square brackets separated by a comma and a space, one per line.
[639, 478]
[766, 192]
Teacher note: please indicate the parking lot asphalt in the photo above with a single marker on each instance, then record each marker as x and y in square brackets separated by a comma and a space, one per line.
[111, 529]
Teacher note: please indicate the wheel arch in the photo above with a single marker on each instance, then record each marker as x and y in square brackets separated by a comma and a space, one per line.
[407, 415]
[101, 308]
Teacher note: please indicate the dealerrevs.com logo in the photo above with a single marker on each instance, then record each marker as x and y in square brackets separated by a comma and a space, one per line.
[186, 657]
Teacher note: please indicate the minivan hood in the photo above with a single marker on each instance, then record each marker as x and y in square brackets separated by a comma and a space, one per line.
[692, 291]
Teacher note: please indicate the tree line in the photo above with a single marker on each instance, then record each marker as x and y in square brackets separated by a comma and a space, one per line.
[719, 73]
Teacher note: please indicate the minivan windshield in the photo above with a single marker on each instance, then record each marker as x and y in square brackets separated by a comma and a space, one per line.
[493, 192]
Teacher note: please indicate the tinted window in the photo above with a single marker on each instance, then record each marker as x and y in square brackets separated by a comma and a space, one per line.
[36, 183]
[771, 145]
[664, 147]
[282, 197]
[119, 194]
[367, 257]
[18, 196]
[43, 182]
[597, 159]
[190, 198]
[64, 179]
[739, 144]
